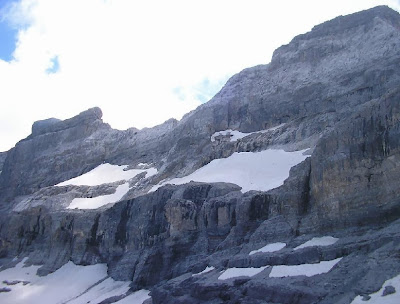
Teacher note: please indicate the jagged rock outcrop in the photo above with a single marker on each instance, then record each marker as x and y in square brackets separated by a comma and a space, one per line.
[333, 91]
[54, 150]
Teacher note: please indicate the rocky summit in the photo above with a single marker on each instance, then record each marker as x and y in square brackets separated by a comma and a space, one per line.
[283, 188]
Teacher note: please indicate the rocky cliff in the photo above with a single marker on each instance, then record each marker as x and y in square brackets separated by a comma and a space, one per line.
[333, 92]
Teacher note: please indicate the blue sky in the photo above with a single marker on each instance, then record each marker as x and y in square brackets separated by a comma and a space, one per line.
[8, 34]
[141, 62]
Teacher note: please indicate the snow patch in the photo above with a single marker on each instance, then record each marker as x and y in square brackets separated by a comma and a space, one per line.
[70, 284]
[102, 291]
[269, 248]
[98, 201]
[208, 269]
[303, 269]
[318, 241]
[378, 298]
[261, 171]
[107, 173]
[63, 285]
[240, 272]
[18, 273]
[150, 172]
[137, 297]
[143, 165]
[235, 135]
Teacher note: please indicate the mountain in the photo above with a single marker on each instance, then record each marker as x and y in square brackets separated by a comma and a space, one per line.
[283, 188]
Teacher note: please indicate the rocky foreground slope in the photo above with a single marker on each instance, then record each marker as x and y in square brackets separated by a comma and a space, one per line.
[333, 92]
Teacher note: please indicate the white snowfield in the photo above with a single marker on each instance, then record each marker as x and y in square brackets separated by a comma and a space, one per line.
[208, 269]
[318, 241]
[107, 173]
[98, 201]
[269, 248]
[308, 270]
[240, 272]
[106, 289]
[70, 284]
[235, 135]
[378, 298]
[261, 171]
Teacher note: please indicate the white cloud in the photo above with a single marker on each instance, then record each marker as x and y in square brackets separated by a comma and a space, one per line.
[129, 57]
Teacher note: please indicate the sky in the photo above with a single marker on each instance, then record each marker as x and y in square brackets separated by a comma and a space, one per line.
[141, 62]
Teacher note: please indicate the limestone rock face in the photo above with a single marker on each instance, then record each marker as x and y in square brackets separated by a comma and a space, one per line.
[54, 151]
[45, 126]
[355, 168]
[3, 156]
[314, 74]
[333, 92]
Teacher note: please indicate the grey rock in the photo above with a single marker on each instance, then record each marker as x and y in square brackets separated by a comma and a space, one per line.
[388, 290]
[55, 152]
[15, 282]
[3, 156]
[47, 126]
[354, 168]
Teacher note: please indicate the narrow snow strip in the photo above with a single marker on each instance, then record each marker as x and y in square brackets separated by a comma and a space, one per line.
[235, 135]
[208, 269]
[107, 173]
[378, 298]
[261, 171]
[318, 241]
[303, 269]
[98, 201]
[269, 248]
[137, 297]
[61, 286]
[240, 272]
